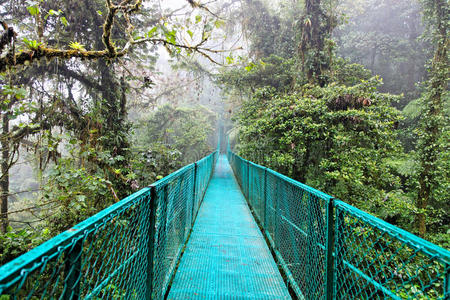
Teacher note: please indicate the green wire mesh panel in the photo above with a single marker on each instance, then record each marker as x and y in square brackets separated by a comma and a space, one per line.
[102, 257]
[175, 195]
[257, 186]
[240, 169]
[127, 251]
[296, 219]
[357, 256]
[375, 260]
[205, 169]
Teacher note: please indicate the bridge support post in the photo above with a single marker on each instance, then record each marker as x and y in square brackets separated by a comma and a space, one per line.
[248, 181]
[194, 195]
[275, 214]
[329, 250]
[151, 243]
[72, 272]
[265, 199]
[447, 282]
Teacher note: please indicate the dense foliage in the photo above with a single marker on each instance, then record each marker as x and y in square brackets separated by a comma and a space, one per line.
[336, 139]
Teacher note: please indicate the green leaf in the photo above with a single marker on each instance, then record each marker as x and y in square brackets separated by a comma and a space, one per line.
[191, 34]
[171, 36]
[52, 12]
[77, 46]
[32, 44]
[33, 10]
[219, 23]
[229, 59]
[198, 19]
[64, 21]
[152, 32]
[250, 67]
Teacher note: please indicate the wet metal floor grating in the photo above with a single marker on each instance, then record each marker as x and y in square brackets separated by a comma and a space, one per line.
[226, 256]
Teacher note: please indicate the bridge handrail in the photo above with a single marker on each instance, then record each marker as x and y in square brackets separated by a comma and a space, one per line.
[331, 250]
[129, 249]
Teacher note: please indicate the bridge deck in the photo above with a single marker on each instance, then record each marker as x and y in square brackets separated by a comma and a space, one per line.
[226, 256]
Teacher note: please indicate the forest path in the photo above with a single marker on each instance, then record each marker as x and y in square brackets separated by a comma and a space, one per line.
[227, 256]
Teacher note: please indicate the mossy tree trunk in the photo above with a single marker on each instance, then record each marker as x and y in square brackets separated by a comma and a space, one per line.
[437, 13]
[4, 180]
[316, 29]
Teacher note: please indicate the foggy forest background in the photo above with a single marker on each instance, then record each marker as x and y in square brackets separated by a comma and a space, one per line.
[100, 98]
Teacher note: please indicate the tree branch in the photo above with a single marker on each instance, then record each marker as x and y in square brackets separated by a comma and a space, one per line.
[49, 53]
[107, 27]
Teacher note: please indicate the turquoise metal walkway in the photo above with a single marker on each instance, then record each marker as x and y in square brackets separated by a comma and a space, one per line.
[226, 256]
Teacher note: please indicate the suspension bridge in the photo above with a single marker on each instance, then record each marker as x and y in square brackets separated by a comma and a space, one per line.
[226, 228]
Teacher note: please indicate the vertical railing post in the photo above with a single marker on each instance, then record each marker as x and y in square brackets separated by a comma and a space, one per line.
[338, 248]
[310, 263]
[194, 196]
[265, 200]
[329, 249]
[276, 216]
[72, 271]
[447, 282]
[151, 242]
[248, 180]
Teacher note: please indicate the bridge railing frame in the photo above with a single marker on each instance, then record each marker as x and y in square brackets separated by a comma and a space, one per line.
[352, 255]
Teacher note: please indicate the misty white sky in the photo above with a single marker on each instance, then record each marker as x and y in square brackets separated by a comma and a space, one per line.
[174, 4]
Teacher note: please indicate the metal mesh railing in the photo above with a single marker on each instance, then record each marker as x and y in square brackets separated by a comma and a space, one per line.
[127, 251]
[376, 260]
[204, 166]
[329, 249]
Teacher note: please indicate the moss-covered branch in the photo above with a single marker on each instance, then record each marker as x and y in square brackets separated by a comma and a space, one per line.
[41, 52]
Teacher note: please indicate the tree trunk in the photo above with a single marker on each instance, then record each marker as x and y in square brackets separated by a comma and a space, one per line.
[429, 147]
[316, 28]
[4, 180]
